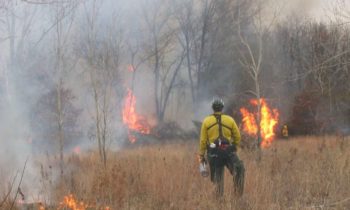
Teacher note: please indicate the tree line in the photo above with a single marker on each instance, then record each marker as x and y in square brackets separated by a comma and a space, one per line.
[64, 65]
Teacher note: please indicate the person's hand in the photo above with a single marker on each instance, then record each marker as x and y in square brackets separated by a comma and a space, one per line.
[202, 159]
[234, 148]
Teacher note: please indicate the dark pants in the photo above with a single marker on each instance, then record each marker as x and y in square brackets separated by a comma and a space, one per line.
[218, 159]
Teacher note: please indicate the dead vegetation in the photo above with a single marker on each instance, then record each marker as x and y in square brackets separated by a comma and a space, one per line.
[300, 173]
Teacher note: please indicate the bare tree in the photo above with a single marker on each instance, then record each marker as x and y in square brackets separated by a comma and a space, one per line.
[252, 54]
[15, 22]
[314, 69]
[63, 63]
[4, 6]
[102, 59]
[205, 28]
[161, 50]
[186, 17]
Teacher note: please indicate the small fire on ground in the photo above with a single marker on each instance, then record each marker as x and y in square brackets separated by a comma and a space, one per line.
[134, 121]
[71, 203]
[268, 122]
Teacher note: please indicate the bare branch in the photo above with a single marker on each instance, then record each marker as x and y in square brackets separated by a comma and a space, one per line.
[19, 184]
[9, 191]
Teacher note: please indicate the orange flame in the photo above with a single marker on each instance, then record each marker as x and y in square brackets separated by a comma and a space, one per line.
[131, 68]
[77, 150]
[268, 122]
[249, 123]
[132, 119]
[70, 202]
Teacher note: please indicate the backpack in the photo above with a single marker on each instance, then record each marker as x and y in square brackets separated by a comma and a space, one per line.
[221, 143]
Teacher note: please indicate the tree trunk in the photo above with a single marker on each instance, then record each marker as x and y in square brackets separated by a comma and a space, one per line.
[156, 79]
[258, 118]
[167, 94]
[11, 70]
[97, 122]
[60, 125]
[59, 110]
[189, 69]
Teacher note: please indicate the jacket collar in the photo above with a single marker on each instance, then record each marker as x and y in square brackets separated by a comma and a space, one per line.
[217, 113]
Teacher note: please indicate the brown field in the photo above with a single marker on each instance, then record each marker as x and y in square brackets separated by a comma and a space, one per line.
[301, 173]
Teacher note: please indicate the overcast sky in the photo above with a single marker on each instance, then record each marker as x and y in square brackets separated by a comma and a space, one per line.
[321, 10]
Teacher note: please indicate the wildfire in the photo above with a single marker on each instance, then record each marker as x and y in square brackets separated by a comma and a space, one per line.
[41, 206]
[132, 119]
[70, 202]
[268, 122]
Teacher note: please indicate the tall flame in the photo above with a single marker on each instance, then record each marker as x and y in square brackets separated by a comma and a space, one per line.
[268, 122]
[132, 119]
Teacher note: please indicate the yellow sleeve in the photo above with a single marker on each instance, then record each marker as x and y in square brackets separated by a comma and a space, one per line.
[203, 139]
[236, 134]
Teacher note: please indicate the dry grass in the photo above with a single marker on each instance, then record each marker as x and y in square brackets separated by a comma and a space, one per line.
[301, 173]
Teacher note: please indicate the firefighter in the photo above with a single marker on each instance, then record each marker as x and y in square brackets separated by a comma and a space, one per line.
[285, 132]
[220, 138]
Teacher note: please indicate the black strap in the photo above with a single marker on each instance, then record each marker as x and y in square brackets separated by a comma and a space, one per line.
[218, 120]
[212, 125]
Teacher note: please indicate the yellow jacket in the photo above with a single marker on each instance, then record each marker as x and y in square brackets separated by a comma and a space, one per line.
[285, 131]
[210, 134]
